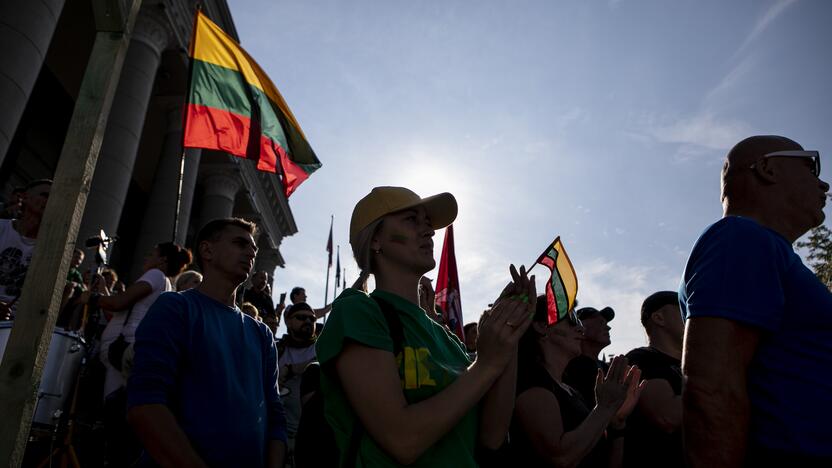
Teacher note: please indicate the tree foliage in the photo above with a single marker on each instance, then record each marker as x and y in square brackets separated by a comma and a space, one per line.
[819, 245]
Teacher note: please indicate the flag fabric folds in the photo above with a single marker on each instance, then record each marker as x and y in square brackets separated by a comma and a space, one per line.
[562, 287]
[233, 106]
[338, 267]
[329, 246]
[447, 286]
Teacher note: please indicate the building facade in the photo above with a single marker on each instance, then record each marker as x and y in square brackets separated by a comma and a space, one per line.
[134, 189]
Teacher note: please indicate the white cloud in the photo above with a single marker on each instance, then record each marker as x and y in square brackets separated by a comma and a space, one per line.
[764, 22]
[623, 287]
[704, 131]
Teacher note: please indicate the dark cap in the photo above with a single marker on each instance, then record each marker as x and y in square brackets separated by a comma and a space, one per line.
[586, 312]
[656, 301]
[295, 308]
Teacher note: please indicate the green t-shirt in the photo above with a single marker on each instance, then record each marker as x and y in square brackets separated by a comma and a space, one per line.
[433, 359]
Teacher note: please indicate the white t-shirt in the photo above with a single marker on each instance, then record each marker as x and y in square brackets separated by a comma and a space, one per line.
[159, 283]
[15, 255]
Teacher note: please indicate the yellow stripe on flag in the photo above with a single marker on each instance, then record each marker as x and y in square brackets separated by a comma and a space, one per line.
[212, 45]
[567, 273]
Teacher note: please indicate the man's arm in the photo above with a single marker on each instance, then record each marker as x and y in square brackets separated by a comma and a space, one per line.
[162, 437]
[321, 312]
[276, 422]
[659, 405]
[717, 353]
[276, 454]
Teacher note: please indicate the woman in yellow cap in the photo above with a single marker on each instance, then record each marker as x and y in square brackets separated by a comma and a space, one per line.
[399, 389]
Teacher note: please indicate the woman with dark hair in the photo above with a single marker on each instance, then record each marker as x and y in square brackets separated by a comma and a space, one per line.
[399, 389]
[553, 426]
[164, 262]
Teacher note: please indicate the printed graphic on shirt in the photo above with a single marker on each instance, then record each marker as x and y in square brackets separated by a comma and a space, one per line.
[13, 266]
[421, 370]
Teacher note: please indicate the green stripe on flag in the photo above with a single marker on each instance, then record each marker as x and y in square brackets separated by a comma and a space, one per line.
[557, 285]
[222, 88]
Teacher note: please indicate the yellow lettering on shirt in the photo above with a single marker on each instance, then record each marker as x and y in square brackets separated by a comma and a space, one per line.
[422, 357]
[416, 369]
[410, 374]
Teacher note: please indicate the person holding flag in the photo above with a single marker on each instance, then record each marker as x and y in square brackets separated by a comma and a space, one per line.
[398, 388]
[553, 425]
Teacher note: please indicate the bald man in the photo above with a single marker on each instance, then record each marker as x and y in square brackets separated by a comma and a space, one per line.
[758, 340]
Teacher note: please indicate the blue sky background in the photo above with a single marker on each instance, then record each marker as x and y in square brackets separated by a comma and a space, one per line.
[604, 122]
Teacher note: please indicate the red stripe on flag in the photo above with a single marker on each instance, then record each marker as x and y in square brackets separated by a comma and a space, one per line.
[217, 129]
[293, 175]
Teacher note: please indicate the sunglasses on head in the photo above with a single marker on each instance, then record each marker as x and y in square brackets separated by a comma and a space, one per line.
[304, 317]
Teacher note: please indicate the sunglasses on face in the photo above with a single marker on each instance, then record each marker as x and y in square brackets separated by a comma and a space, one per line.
[304, 318]
[814, 156]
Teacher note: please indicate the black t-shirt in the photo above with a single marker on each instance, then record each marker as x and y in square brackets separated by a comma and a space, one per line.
[573, 411]
[580, 374]
[645, 445]
[261, 300]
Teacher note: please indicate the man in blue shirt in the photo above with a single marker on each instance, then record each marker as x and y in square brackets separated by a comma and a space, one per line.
[203, 388]
[758, 342]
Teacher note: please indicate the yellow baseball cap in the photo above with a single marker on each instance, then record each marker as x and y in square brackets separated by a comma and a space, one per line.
[381, 201]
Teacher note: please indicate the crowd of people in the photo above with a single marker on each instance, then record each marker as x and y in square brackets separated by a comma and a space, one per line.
[733, 373]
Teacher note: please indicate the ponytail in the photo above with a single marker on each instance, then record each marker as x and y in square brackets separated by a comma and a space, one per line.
[177, 257]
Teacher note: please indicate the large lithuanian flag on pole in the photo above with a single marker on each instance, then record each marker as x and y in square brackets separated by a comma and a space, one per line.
[234, 107]
[562, 287]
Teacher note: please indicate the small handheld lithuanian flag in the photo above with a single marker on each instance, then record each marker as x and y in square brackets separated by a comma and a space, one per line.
[234, 107]
[562, 287]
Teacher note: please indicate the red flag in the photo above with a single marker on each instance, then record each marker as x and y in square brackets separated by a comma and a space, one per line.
[329, 244]
[447, 286]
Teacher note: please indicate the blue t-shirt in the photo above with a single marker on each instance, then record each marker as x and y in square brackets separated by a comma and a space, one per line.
[742, 271]
[216, 369]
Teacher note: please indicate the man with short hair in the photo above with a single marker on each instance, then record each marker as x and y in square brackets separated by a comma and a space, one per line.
[17, 243]
[259, 295]
[758, 338]
[654, 429]
[298, 294]
[296, 349]
[581, 372]
[203, 389]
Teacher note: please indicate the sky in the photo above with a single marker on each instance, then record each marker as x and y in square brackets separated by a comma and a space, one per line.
[602, 122]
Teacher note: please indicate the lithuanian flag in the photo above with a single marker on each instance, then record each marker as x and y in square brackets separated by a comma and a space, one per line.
[562, 287]
[235, 108]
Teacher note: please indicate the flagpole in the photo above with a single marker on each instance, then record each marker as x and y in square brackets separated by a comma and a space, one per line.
[328, 266]
[178, 195]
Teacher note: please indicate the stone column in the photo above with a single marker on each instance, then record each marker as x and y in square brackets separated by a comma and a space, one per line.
[157, 224]
[26, 29]
[220, 191]
[124, 127]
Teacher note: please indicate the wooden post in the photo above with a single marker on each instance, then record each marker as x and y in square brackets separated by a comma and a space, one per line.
[37, 309]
